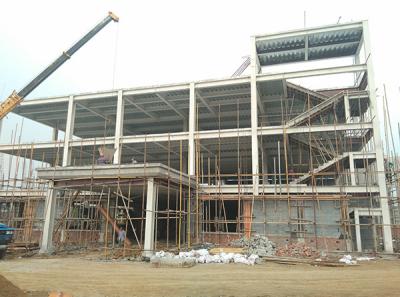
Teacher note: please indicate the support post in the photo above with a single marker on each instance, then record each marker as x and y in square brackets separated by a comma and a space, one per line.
[358, 231]
[69, 131]
[54, 135]
[119, 128]
[352, 170]
[347, 108]
[192, 123]
[387, 230]
[49, 216]
[150, 218]
[254, 115]
[265, 167]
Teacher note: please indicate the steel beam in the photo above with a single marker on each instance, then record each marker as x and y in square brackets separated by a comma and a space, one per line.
[150, 114]
[206, 104]
[312, 72]
[170, 105]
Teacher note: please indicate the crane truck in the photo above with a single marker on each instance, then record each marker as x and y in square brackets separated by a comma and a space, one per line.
[6, 233]
[17, 97]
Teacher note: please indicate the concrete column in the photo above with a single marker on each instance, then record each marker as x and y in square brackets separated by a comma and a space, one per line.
[387, 231]
[358, 231]
[69, 131]
[54, 135]
[254, 115]
[347, 108]
[352, 171]
[49, 215]
[150, 217]
[119, 128]
[192, 124]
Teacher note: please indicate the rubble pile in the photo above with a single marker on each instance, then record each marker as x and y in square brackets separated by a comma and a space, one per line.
[347, 259]
[299, 250]
[202, 256]
[257, 245]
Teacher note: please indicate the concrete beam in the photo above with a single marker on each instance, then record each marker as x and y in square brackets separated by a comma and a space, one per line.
[291, 188]
[207, 134]
[222, 82]
[276, 130]
[312, 72]
[45, 101]
[124, 171]
[157, 89]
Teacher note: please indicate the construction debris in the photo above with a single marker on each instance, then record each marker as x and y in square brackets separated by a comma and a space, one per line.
[295, 261]
[258, 245]
[172, 262]
[226, 250]
[202, 256]
[298, 250]
[347, 259]
[365, 258]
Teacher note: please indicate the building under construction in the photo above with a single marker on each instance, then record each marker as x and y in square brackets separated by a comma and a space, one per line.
[292, 150]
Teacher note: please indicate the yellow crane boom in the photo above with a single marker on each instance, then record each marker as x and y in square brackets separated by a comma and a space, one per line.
[17, 97]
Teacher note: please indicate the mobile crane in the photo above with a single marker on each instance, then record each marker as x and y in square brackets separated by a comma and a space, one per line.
[17, 97]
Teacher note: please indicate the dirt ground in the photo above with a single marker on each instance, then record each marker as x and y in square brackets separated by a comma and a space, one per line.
[8, 289]
[84, 277]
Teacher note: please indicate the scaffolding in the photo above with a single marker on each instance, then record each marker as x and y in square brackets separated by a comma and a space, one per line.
[317, 178]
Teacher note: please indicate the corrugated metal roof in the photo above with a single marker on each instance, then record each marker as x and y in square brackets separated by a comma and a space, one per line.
[313, 46]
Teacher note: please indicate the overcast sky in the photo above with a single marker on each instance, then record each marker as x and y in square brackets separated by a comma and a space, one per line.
[158, 42]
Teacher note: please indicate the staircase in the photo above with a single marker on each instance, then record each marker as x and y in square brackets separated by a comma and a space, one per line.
[242, 67]
[317, 109]
[321, 168]
[315, 144]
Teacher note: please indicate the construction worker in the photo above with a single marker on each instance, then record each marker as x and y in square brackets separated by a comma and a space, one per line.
[121, 237]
